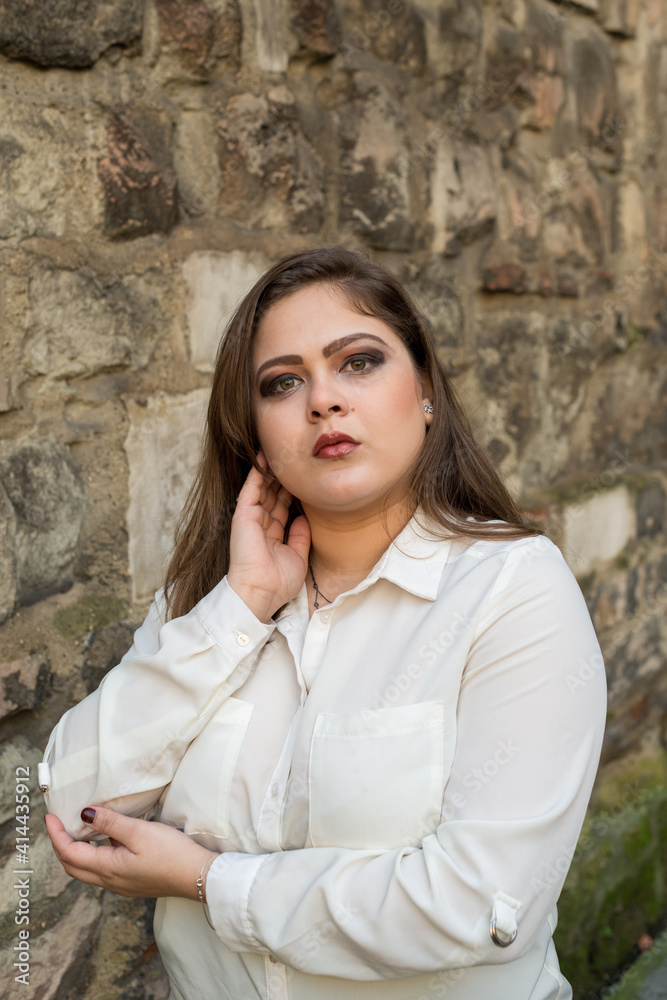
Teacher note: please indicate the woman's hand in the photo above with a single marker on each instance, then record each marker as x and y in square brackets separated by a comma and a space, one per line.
[144, 859]
[263, 570]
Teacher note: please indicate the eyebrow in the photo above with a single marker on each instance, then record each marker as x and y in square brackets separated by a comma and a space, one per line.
[335, 345]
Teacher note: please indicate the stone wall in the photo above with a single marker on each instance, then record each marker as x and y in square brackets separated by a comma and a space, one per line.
[507, 159]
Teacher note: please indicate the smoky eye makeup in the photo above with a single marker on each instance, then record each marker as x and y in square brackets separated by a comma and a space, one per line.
[268, 384]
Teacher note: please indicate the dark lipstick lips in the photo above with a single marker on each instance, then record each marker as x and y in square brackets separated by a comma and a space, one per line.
[334, 437]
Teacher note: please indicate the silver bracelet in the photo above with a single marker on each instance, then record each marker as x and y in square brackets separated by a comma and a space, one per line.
[201, 886]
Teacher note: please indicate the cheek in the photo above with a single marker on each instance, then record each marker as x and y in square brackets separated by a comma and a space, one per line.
[276, 442]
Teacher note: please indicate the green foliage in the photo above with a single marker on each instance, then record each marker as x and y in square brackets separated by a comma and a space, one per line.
[615, 890]
[637, 980]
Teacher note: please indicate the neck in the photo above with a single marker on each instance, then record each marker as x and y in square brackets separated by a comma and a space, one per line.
[344, 548]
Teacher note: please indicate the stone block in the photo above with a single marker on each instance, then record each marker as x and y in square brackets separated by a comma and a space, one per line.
[509, 351]
[594, 85]
[162, 450]
[137, 175]
[81, 323]
[619, 17]
[49, 502]
[632, 221]
[316, 24]
[8, 568]
[270, 42]
[23, 683]
[203, 32]
[463, 195]
[651, 510]
[390, 30]
[375, 193]
[190, 23]
[196, 163]
[452, 31]
[18, 752]
[67, 32]
[271, 175]
[45, 148]
[216, 283]
[104, 649]
[598, 530]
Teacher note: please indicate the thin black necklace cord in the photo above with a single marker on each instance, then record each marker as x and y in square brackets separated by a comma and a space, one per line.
[318, 592]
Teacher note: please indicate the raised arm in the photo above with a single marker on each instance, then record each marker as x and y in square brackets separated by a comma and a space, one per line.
[121, 746]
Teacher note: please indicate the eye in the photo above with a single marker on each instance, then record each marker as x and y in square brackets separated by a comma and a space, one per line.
[362, 363]
[283, 384]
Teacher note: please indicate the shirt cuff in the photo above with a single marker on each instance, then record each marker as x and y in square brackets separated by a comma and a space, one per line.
[228, 884]
[230, 622]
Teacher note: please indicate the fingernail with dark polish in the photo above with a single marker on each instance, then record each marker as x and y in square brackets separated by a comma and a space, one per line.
[88, 815]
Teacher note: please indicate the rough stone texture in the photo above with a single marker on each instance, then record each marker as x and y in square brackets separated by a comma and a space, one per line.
[8, 580]
[270, 42]
[271, 174]
[14, 754]
[393, 32]
[506, 159]
[317, 25]
[463, 199]
[597, 530]
[216, 283]
[190, 24]
[49, 502]
[23, 683]
[61, 951]
[82, 323]
[375, 201]
[203, 33]
[67, 32]
[138, 178]
[162, 449]
[105, 648]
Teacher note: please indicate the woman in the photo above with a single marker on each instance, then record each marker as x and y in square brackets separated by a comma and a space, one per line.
[350, 702]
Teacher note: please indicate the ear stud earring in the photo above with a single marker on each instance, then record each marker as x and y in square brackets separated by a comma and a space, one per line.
[428, 407]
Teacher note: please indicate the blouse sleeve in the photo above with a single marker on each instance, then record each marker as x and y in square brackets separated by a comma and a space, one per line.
[121, 746]
[530, 722]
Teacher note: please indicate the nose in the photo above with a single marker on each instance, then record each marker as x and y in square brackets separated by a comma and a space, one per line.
[326, 397]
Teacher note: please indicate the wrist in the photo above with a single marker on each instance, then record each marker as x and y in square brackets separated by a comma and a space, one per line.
[259, 603]
[201, 886]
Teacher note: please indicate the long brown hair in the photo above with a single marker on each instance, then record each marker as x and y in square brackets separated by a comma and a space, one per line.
[452, 481]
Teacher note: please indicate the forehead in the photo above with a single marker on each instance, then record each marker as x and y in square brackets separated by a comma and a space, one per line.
[311, 318]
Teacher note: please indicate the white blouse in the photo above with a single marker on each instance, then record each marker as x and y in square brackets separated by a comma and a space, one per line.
[386, 783]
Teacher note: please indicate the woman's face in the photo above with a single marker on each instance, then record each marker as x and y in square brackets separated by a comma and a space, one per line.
[338, 405]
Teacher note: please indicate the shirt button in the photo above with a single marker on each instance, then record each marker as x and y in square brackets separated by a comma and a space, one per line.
[325, 616]
[242, 639]
[274, 789]
[272, 959]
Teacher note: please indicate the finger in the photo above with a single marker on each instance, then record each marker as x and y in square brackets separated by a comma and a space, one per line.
[79, 859]
[298, 538]
[254, 488]
[276, 495]
[124, 830]
[282, 505]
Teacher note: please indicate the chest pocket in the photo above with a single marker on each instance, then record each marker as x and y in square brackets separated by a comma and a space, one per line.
[197, 800]
[376, 777]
